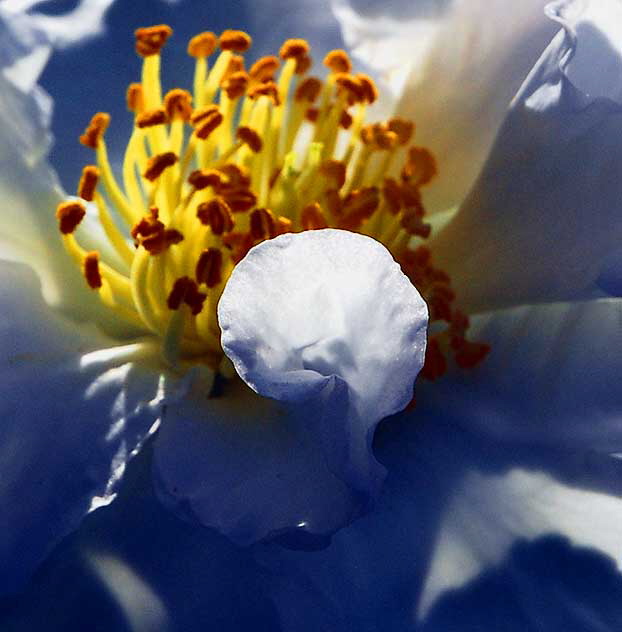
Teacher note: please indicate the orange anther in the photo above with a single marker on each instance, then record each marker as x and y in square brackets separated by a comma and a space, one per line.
[250, 137]
[216, 214]
[185, 290]
[88, 182]
[90, 268]
[420, 167]
[209, 267]
[348, 84]
[151, 118]
[236, 64]
[178, 105]
[336, 171]
[203, 178]
[235, 84]
[151, 39]
[403, 128]
[345, 119]
[263, 224]
[338, 61]
[269, 89]
[95, 130]
[158, 163]
[237, 41]
[69, 215]
[294, 49]
[303, 64]
[199, 115]
[209, 120]
[312, 217]
[264, 68]
[392, 193]
[135, 98]
[368, 87]
[203, 44]
[308, 89]
[239, 200]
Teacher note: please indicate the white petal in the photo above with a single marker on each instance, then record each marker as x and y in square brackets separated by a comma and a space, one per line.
[551, 370]
[63, 30]
[73, 411]
[546, 211]
[463, 66]
[328, 315]
[249, 467]
[304, 308]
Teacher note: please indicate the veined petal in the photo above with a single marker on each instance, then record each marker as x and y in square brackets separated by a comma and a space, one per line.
[456, 71]
[72, 418]
[546, 212]
[325, 322]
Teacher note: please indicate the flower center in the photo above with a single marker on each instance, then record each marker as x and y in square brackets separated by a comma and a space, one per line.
[249, 155]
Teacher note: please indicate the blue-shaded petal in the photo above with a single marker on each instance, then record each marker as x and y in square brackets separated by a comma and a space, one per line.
[547, 208]
[134, 567]
[249, 466]
[551, 370]
[74, 409]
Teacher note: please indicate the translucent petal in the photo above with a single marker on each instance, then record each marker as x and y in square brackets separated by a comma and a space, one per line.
[546, 212]
[456, 69]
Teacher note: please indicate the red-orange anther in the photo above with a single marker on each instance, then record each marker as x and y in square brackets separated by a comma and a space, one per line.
[135, 98]
[263, 224]
[203, 44]
[95, 130]
[90, 268]
[216, 214]
[209, 267]
[250, 137]
[158, 163]
[151, 39]
[294, 49]
[312, 217]
[88, 182]
[178, 105]
[308, 89]
[237, 41]
[69, 216]
[203, 178]
[338, 61]
[151, 118]
[264, 68]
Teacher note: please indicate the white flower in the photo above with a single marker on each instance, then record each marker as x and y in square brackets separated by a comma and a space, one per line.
[510, 243]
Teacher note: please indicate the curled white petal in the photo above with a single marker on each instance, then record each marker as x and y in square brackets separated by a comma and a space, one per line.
[304, 309]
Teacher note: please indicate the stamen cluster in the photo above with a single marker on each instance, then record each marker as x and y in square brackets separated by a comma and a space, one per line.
[248, 155]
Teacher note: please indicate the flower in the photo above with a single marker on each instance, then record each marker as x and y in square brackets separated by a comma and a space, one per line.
[461, 406]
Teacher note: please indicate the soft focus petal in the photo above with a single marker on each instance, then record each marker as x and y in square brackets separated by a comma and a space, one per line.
[71, 419]
[463, 67]
[390, 40]
[325, 322]
[546, 211]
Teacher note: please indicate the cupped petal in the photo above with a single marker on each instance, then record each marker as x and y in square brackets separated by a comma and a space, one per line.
[326, 323]
[456, 70]
[74, 410]
[545, 214]
[249, 467]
